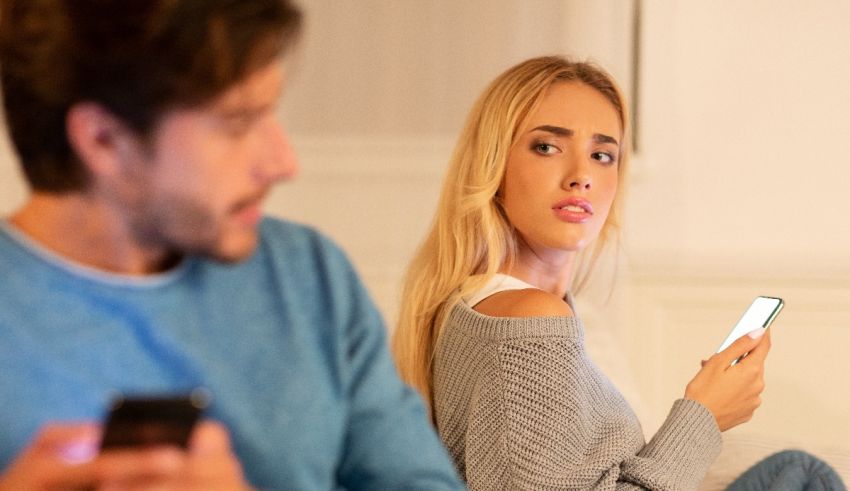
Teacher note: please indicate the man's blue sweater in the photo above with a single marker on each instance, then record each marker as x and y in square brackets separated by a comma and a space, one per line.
[288, 342]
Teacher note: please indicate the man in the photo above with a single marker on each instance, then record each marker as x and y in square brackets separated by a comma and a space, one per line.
[141, 264]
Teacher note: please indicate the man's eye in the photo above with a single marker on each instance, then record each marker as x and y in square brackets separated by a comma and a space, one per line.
[238, 124]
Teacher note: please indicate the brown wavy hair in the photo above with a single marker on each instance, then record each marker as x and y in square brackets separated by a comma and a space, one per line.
[137, 58]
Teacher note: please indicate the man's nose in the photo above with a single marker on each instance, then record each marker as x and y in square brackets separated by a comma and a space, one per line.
[278, 161]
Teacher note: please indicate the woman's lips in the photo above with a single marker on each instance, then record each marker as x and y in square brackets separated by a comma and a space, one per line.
[573, 210]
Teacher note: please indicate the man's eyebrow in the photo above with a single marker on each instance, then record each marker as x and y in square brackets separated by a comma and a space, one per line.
[247, 111]
[561, 131]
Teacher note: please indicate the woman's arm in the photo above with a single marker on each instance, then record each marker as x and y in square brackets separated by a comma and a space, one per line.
[547, 418]
[534, 411]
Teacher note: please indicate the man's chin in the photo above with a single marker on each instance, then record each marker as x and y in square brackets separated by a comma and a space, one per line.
[229, 259]
[234, 249]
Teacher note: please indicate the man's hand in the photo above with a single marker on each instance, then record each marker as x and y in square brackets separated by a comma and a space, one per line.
[64, 457]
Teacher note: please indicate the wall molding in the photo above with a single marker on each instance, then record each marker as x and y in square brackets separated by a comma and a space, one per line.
[393, 158]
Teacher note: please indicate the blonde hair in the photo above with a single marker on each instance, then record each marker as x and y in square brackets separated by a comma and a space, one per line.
[471, 238]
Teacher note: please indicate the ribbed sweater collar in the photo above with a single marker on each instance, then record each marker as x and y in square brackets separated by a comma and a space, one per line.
[501, 328]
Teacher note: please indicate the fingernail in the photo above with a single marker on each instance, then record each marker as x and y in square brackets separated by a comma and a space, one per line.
[756, 333]
[169, 459]
[78, 453]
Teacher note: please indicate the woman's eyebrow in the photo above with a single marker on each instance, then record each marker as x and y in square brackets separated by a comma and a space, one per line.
[600, 138]
[561, 131]
[555, 130]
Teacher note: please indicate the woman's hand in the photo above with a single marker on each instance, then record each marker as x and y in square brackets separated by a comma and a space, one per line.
[732, 392]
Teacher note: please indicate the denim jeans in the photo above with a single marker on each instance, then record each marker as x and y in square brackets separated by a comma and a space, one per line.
[791, 470]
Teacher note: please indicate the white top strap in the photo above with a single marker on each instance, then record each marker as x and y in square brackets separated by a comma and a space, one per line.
[502, 283]
[498, 283]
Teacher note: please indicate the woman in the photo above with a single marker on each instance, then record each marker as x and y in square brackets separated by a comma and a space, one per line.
[488, 332]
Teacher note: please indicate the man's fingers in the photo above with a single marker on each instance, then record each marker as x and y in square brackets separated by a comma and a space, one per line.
[53, 468]
[209, 437]
[66, 457]
[130, 465]
[53, 435]
[66, 443]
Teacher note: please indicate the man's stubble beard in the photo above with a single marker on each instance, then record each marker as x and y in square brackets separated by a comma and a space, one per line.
[181, 226]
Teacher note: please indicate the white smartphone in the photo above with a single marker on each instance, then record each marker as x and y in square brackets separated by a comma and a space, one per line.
[759, 315]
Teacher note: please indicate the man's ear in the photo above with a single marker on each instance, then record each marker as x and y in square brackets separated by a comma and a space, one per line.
[98, 137]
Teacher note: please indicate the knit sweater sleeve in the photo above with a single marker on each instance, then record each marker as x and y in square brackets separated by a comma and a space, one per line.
[541, 416]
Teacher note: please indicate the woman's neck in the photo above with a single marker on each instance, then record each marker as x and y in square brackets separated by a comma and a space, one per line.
[550, 272]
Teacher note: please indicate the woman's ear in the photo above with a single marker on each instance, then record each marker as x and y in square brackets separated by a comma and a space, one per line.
[97, 137]
[499, 197]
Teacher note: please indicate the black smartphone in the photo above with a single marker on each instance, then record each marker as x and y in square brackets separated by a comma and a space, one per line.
[760, 314]
[135, 421]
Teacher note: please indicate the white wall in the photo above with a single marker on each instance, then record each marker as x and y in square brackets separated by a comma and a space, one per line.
[745, 111]
[12, 189]
[742, 193]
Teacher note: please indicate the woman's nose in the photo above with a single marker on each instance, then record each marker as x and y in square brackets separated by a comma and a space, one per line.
[582, 182]
[578, 174]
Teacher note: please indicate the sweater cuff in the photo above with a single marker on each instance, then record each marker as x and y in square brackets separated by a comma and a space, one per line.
[686, 444]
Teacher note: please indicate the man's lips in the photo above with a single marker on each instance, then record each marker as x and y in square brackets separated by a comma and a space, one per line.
[249, 210]
[250, 215]
[573, 210]
[255, 199]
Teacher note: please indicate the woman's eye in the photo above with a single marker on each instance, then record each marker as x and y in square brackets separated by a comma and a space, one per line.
[604, 157]
[545, 148]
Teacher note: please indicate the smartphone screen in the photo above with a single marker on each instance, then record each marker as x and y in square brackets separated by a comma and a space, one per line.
[760, 314]
[145, 421]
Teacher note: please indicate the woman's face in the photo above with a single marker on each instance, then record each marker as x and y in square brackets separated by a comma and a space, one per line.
[561, 175]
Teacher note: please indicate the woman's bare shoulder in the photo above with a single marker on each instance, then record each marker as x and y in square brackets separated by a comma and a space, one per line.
[530, 302]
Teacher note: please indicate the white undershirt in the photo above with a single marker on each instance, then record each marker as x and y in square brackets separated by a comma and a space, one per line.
[498, 283]
[501, 283]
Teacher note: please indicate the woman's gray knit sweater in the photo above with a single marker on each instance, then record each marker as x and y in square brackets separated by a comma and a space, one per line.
[520, 405]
